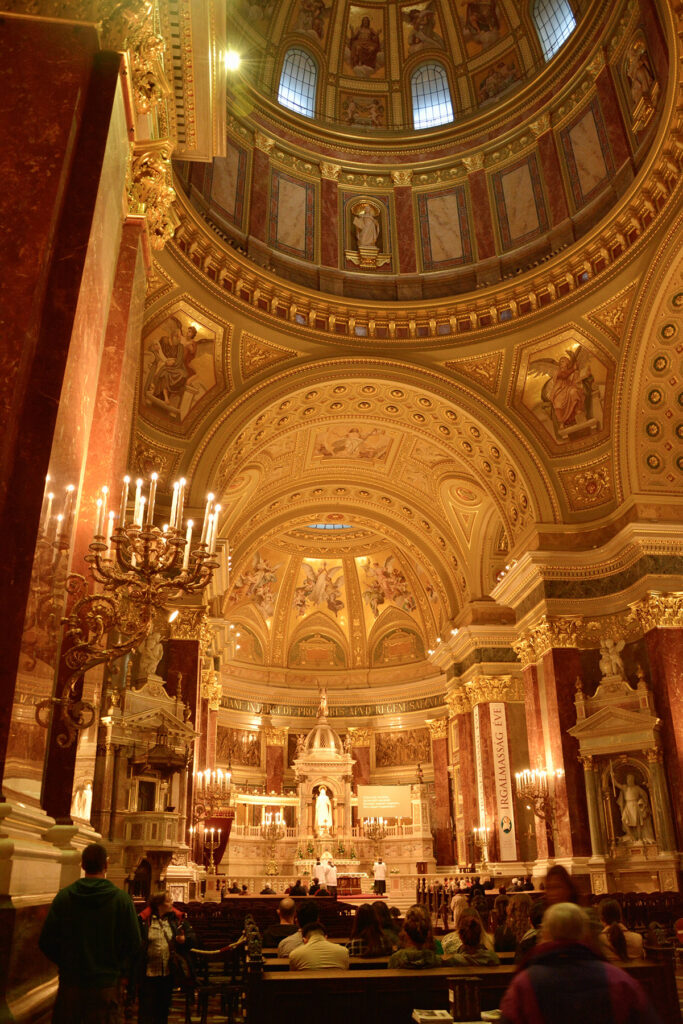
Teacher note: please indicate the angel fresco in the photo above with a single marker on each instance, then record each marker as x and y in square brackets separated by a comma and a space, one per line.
[482, 23]
[320, 588]
[568, 393]
[422, 21]
[386, 583]
[312, 16]
[257, 585]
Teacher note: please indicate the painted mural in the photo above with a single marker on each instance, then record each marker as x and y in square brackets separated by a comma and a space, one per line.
[483, 25]
[320, 586]
[238, 747]
[248, 646]
[421, 28]
[179, 364]
[409, 746]
[345, 442]
[311, 17]
[258, 13]
[381, 582]
[317, 652]
[365, 111]
[497, 77]
[398, 647]
[565, 390]
[364, 45]
[257, 583]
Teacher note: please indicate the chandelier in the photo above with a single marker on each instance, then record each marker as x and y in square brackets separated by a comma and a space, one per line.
[536, 786]
[212, 793]
[138, 568]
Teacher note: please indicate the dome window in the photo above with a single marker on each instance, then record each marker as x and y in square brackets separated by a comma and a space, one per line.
[297, 82]
[431, 96]
[555, 22]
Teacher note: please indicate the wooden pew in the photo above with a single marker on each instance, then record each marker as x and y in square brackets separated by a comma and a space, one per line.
[367, 996]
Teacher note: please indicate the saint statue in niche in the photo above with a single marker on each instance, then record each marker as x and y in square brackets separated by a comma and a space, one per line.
[366, 224]
[323, 811]
[634, 806]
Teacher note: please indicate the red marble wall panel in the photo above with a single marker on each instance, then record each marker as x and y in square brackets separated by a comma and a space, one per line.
[614, 124]
[260, 183]
[361, 767]
[665, 654]
[403, 201]
[518, 748]
[468, 777]
[329, 235]
[655, 40]
[275, 768]
[488, 775]
[534, 729]
[481, 215]
[561, 667]
[442, 803]
[183, 660]
[552, 177]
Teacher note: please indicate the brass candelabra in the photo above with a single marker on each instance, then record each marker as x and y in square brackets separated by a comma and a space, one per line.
[480, 841]
[536, 787]
[139, 568]
[272, 831]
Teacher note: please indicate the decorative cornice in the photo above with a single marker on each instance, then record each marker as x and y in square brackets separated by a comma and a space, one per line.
[275, 737]
[495, 690]
[458, 703]
[438, 728]
[475, 162]
[264, 143]
[549, 633]
[541, 124]
[330, 171]
[359, 737]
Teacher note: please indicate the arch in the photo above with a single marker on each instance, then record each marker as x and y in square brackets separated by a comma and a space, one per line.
[431, 96]
[555, 22]
[298, 81]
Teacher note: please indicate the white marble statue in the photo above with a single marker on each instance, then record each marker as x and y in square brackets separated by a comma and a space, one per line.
[610, 660]
[367, 226]
[635, 810]
[323, 811]
[150, 653]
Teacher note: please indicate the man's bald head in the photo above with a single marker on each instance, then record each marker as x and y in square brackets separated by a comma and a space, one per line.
[286, 910]
[564, 922]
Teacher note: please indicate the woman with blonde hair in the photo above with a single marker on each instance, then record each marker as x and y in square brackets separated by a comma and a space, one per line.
[452, 943]
[518, 919]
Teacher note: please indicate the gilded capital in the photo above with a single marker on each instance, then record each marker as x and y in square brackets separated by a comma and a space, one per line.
[275, 737]
[212, 690]
[360, 737]
[264, 143]
[475, 162]
[330, 171]
[150, 190]
[438, 728]
[655, 755]
[658, 611]
[458, 703]
[586, 762]
[402, 177]
[495, 690]
[543, 637]
[190, 624]
[541, 124]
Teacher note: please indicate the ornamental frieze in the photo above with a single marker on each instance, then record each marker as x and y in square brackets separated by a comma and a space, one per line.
[658, 611]
[494, 690]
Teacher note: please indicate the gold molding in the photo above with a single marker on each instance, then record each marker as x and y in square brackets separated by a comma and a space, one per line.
[475, 162]
[150, 190]
[211, 690]
[494, 690]
[190, 624]
[264, 143]
[330, 171]
[658, 611]
[360, 737]
[438, 728]
[458, 703]
[275, 737]
[402, 177]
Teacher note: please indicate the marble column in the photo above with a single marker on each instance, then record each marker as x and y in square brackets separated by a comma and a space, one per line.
[661, 805]
[593, 801]
[534, 729]
[442, 798]
[665, 655]
[329, 210]
[614, 124]
[403, 203]
[465, 814]
[260, 187]
[276, 742]
[360, 740]
[552, 175]
[479, 198]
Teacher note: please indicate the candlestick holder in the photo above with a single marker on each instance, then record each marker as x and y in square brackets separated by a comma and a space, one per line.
[375, 830]
[272, 831]
[480, 841]
[140, 569]
[211, 842]
[536, 787]
[212, 794]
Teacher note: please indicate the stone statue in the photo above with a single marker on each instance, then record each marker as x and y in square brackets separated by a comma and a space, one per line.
[150, 653]
[322, 707]
[610, 661]
[641, 77]
[367, 226]
[323, 811]
[635, 810]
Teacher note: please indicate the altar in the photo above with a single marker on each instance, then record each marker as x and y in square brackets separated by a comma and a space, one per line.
[351, 883]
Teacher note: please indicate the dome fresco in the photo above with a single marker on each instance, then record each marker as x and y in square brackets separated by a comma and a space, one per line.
[366, 59]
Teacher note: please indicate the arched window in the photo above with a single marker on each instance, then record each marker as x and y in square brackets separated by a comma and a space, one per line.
[431, 96]
[555, 22]
[297, 82]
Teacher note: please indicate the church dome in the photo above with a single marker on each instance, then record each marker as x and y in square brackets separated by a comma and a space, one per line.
[322, 740]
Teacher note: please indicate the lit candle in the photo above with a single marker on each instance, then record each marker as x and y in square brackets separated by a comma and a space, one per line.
[141, 511]
[138, 493]
[110, 528]
[188, 539]
[174, 504]
[68, 501]
[48, 512]
[212, 545]
[181, 503]
[124, 502]
[105, 495]
[219, 834]
[152, 499]
[98, 519]
[207, 518]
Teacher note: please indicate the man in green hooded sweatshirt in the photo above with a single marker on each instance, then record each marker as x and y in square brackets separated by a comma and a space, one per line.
[91, 932]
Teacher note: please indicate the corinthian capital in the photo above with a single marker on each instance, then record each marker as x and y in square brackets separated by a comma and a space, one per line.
[402, 177]
[541, 638]
[495, 690]
[658, 611]
[330, 171]
[275, 737]
[438, 728]
[151, 192]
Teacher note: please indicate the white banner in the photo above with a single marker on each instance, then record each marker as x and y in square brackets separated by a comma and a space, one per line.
[501, 764]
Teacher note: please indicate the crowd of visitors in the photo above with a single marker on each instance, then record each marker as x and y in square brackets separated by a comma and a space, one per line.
[93, 935]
